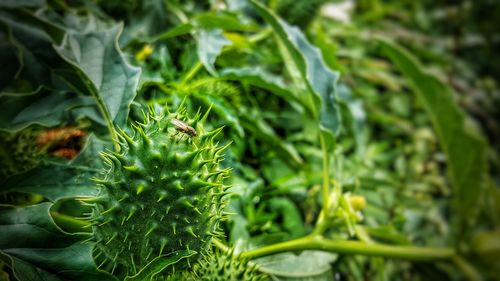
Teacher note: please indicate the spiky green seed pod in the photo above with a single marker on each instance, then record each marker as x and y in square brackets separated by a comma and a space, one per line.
[223, 267]
[218, 266]
[163, 192]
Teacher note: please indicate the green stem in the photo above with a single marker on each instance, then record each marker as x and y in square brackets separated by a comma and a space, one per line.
[321, 224]
[109, 121]
[197, 67]
[353, 248]
[217, 243]
[469, 271]
[326, 177]
[260, 36]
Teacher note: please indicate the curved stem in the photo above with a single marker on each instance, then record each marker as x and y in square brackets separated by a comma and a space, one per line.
[469, 271]
[217, 243]
[109, 122]
[197, 67]
[354, 248]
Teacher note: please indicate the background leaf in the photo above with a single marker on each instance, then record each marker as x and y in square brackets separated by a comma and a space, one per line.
[320, 80]
[36, 249]
[309, 265]
[58, 180]
[465, 149]
[209, 45]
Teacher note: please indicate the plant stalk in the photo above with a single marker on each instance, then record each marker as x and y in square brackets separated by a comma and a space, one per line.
[411, 253]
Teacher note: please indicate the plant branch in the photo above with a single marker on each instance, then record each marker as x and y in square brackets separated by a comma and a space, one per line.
[326, 177]
[353, 248]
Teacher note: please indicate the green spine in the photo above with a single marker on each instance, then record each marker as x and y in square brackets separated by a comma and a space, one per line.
[226, 267]
[219, 266]
[163, 192]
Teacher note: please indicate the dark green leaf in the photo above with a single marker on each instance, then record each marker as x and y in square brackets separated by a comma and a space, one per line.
[58, 180]
[36, 249]
[263, 131]
[40, 107]
[180, 29]
[97, 59]
[259, 77]
[22, 3]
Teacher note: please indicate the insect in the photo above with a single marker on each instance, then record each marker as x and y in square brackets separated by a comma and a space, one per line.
[183, 127]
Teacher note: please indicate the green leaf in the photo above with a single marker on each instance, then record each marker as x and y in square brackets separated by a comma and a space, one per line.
[58, 180]
[207, 21]
[30, 227]
[292, 219]
[261, 130]
[465, 150]
[259, 77]
[356, 116]
[33, 39]
[99, 63]
[159, 264]
[22, 3]
[10, 54]
[225, 21]
[309, 265]
[210, 44]
[36, 249]
[40, 107]
[178, 30]
[320, 80]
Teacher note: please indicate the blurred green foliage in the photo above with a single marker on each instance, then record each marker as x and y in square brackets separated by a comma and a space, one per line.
[296, 86]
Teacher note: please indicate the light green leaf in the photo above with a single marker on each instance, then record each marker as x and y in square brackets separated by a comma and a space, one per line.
[97, 59]
[225, 21]
[159, 264]
[210, 44]
[465, 150]
[178, 30]
[320, 80]
[309, 265]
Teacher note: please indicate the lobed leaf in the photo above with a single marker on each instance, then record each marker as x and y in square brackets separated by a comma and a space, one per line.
[320, 80]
